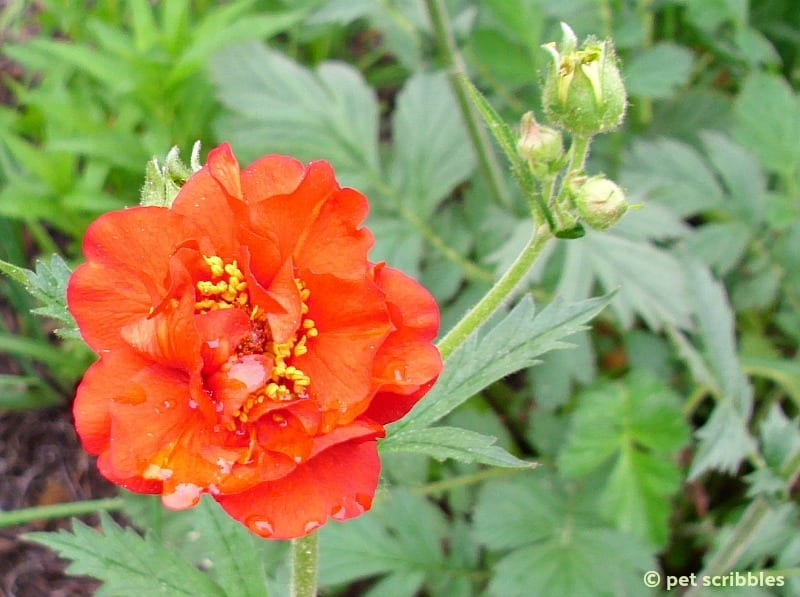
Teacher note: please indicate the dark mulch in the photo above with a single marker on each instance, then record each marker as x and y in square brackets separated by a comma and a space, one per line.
[42, 463]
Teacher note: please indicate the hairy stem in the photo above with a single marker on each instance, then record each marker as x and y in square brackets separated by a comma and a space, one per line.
[304, 566]
[497, 294]
[487, 161]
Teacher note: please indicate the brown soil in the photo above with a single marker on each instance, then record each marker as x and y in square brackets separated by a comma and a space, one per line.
[42, 463]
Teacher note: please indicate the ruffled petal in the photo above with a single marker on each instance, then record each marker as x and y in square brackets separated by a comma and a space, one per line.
[126, 272]
[271, 175]
[334, 243]
[352, 321]
[288, 217]
[338, 483]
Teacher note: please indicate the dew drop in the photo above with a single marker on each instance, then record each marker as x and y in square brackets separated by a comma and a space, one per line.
[185, 496]
[192, 403]
[167, 404]
[261, 526]
[298, 459]
[363, 502]
[311, 525]
[339, 513]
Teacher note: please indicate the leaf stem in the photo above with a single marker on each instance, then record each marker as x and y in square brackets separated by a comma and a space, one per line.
[497, 294]
[25, 515]
[487, 161]
[304, 565]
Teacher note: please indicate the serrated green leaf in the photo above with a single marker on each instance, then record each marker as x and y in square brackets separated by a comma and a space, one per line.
[658, 70]
[724, 440]
[490, 354]
[745, 182]
[780, 439]
[281, 106]
[720, 246]
[432, 150]
[48, 285]
[652, 282]
[451, 442]
[672, 173]
[128, 564]
[637, 425]
[783, 372]
[768, 122]
[400, 535]
[557, 547]
[230, 548]
[15, 272]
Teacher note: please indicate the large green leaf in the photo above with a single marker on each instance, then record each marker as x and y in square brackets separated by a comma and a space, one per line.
[230, 549]
[672, 173]
[635, 426]
[498, 349]
[651, 281]
[401, 537]
[279, 105]
[768, 122]
[432, 150]
[724, 440]
[658, 71]
[557, 546]
[128, 564]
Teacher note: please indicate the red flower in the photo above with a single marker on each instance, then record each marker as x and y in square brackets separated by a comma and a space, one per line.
[248, 349]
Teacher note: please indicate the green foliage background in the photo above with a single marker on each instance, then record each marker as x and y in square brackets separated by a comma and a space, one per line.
[667, 434]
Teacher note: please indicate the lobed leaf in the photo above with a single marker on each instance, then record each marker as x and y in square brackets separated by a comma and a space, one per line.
[126, 563]
[509, 345]
[452, 442]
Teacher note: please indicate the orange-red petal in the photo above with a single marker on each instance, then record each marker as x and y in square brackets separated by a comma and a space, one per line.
[338, 483]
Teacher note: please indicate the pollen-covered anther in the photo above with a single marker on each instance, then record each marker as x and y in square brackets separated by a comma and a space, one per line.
[219, 292]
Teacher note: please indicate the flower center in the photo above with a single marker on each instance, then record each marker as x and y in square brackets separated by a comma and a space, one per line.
[227, 289]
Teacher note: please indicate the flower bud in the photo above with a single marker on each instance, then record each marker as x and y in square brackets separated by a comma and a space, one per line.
[162, 182]
[583, 90]
[541, 146]
[599, 201]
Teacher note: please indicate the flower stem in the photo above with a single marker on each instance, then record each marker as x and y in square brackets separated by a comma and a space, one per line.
[579, 152]
[304, 564]
[497, 294]
[487, 161]
[25, 515]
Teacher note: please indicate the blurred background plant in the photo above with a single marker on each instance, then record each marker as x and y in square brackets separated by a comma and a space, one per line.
[668, 436]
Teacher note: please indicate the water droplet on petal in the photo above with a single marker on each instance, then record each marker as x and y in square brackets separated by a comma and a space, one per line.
[261, 526]
[311, 525]
[192, 403]
[185, 496]
[167, 404]
[363, 502]
[298, 459]
[339, 513]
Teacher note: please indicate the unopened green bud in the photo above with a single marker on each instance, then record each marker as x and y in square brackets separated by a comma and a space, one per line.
[583, 90]
[541, 146]
[163, 181]
[599, 201]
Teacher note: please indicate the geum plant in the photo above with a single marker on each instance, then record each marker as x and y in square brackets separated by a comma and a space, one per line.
[250, 351]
